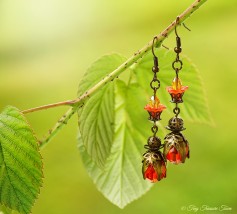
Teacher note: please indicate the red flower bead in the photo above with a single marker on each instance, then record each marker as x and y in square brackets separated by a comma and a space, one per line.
[154, 166]
[176, 90]
[176, 148]
[154, 108]
[174, 156]
[151, 174]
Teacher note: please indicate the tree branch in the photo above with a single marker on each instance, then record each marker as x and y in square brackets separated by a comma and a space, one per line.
[139, 54]
[133, 59]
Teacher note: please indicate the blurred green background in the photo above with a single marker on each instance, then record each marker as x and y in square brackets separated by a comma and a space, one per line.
[46, 46]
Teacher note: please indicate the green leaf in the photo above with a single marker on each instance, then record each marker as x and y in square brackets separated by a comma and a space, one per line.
[194, 108]
[97, 116]
[20, 162]
[121, 179]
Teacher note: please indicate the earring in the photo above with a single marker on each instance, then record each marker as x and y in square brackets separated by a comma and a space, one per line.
[176, 147]
[154, 163]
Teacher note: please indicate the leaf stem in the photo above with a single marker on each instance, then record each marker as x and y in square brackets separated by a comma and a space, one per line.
[53, 105]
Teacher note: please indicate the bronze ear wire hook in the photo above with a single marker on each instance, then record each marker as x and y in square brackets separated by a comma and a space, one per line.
[155, 58]
[178, 48]
[153, 42]
[156, 66]
[155, 69]
[175, 28]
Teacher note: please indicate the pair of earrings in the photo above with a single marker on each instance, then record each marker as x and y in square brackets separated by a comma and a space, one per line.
[175, 147]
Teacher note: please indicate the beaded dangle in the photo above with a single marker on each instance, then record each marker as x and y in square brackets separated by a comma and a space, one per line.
[176, 147]
[154, 163]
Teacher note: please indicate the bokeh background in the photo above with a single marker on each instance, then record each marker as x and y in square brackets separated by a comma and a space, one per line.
[46, 46]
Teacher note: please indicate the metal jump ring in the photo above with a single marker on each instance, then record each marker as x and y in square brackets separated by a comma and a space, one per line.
[176, 110]
[154, 129]
[177, 64]
[153, 82]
